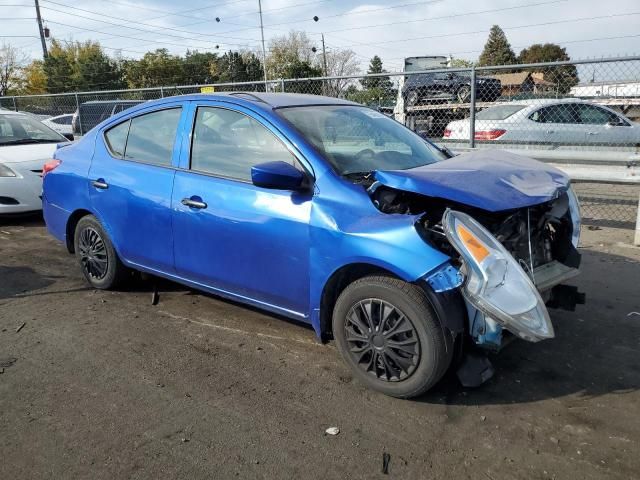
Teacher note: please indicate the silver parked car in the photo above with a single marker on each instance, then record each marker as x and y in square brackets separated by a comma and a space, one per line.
[568, 121]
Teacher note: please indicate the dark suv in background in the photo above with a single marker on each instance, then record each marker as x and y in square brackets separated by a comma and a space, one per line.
[92, 113]
[448, 86]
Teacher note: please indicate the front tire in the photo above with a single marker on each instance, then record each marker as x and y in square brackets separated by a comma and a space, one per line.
[464, 94]
[388, 334]
[98, 260]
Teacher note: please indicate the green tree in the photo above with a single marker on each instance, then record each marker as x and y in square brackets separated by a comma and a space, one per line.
[197, 67]
[10, 60]
[34, 80]
[237, 67]
[155, 69]
[381, 83]
[563, 77]
[497, 50]
[461, 63]
[80, 66]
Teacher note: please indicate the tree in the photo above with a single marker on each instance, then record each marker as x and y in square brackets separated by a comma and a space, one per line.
[461, 63]
[155, 69]
[497, 50]
[10, 67]
[564, 77]
[34, 80]
[80, 66]
[291, 55]
[340, 63]
[375, 90]
[197, 67]
[237, 67]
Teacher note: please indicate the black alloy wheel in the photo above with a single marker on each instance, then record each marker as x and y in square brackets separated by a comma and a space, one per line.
[382, 340]
[93, 254]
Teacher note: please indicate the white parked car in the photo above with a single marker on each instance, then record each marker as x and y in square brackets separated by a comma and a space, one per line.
[568, 121]
[60, 123]
[25, 145]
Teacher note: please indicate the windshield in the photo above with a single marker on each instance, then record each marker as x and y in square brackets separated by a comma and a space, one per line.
[499, 112]
[359, 140]
[17, 129]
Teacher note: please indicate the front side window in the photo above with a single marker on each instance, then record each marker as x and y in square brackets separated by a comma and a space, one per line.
[228, 144]
[357, 140]
[592, 115]
[151, 137]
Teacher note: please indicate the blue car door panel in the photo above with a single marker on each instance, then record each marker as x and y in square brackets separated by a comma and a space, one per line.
[130, 185]
[230, 235]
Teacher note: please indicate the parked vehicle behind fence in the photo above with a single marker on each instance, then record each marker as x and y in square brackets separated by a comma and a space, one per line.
[60, 123]
[329, 213]
[564, 121]
[25, 145]
[447, 87]
[92, 113]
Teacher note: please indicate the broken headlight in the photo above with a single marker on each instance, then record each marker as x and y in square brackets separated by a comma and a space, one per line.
[495, 283]
[576, 218]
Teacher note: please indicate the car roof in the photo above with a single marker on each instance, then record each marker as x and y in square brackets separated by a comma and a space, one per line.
[536, 102]
[272, 100]
[4, 111]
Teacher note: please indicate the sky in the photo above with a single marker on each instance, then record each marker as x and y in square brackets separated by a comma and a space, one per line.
[392, 29]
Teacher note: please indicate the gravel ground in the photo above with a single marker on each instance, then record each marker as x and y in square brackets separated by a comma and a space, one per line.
[105, 385]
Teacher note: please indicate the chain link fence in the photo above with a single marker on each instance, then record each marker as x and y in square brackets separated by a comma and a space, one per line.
[586, 108]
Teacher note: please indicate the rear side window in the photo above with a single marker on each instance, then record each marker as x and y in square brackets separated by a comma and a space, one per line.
[147, 138]
[563, 113]
[116, 139]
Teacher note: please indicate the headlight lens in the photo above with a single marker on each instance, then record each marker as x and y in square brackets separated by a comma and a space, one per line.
[576, 217]
[6, 171]
[495, 283]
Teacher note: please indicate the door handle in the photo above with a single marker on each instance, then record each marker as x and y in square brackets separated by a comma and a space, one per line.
[593, 133]
[100, 183]
[188, 202]
[551, 131]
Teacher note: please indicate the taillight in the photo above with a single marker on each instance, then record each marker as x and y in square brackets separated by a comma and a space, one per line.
[447, 133]
[488, 134]
[50, 165]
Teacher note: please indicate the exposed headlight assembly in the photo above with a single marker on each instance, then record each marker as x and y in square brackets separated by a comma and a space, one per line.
[576, 218]
[494, 281]
[6, 171]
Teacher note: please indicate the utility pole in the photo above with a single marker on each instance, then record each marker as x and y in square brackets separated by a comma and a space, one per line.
[42, 40]
[324, 57]
[264, 53]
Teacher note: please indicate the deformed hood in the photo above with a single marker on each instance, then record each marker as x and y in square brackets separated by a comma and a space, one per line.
[492, 180]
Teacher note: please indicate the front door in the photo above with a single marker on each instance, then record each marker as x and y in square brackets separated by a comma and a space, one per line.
[130, 183]
[246, 241]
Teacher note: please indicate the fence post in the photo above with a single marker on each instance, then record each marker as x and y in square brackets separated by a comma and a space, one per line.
[79, 116]
[472, 112]
[15, 107]
[161, 92]
[636, 240]
[282, 84]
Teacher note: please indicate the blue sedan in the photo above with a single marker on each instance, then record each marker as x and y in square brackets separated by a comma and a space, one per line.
[413, 260]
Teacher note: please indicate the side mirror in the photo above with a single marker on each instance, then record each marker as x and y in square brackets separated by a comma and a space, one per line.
[277, 175]
[68, 136]
[616, 123]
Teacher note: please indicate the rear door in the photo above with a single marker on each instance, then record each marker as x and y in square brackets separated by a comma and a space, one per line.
[130, 184]
[243, 240]
[556, 124]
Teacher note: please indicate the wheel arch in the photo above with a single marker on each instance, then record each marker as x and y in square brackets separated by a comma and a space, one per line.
[72, 223]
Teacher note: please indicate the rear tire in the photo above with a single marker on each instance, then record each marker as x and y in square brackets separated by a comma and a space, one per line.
[464, 94]
[98, 260]
[388, 334]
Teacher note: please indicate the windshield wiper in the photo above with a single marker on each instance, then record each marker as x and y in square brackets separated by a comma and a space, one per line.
[25, 141]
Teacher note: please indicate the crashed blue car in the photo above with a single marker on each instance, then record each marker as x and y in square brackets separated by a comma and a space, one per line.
[414, 261]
